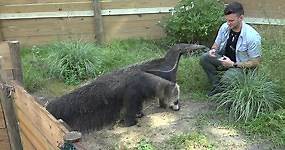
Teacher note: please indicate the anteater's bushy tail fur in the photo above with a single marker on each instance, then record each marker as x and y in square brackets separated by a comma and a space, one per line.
[99, 103]
[87, 108]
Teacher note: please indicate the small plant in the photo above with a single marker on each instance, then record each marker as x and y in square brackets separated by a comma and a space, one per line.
[34, 69]
[247, 95]
[144, 144]
[74, 61]
[270, 125]
[194, 21]
[191, 77]
[191, 141]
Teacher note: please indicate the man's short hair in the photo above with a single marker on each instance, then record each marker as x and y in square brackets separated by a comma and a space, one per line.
[234, 8]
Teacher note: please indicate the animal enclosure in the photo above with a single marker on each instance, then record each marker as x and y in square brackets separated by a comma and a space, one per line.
[27, 124]
[44, 21]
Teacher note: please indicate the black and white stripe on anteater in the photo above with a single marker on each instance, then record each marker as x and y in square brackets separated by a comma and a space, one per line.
[101, 102]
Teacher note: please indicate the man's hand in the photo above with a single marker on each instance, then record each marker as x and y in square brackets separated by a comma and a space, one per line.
[226, 62]
[212, 53]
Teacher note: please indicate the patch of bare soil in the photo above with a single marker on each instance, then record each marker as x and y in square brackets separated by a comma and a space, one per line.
[159, 125]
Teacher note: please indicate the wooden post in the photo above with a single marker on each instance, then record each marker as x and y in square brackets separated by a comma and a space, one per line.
[14, 47]
[9, 113]
[2, 74]
[99, 32]
[1, 33]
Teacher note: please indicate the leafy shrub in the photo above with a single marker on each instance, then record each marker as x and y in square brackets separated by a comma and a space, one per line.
[247, 95]
[194, 21]
[74, 61]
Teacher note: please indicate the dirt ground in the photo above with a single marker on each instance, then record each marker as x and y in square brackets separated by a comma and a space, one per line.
[158, 125]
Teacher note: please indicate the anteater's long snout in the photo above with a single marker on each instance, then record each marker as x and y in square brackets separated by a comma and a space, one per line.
[193, 47]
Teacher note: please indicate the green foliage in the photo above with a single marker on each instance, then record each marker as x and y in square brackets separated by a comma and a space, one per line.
[247, 95]
[191, 141]
[144, 144]
[194, 21]
[120, 53]
[191, 77]
[34, 71]
[273, 45]
[74, 61]
[271, 125]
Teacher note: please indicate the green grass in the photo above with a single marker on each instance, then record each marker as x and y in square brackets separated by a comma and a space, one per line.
[119, 54]
[192, 79]
[270, 126]
[273, 58]
[145, 144]
[34, 71]
[190, 141]
[247, 94]
[74, 62]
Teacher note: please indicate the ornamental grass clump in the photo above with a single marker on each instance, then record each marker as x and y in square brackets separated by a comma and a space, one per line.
[74, 61]
[247, 95]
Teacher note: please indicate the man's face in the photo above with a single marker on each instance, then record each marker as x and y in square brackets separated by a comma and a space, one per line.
[234, 20]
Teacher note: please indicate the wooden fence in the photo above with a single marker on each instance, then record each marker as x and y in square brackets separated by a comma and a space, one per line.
[42, 21]
[24, 123]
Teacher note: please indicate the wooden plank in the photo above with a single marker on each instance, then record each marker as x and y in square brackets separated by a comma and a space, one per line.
[6, 24]
[134, 27]
[137, 4]
[1, 33]
[145, 26]
[127, 35]
[32, 133]
[264, 21]
[105, 3]
[11, 120]
[54, 26]
[4, 140]
[6, 100]
[37, 31]
[2, 119]
[11, 69]
[257, 9]
[136, 11]
[14, 48]
[263, 8]
[39, 40]
[34, 119]
[99, 31]
[114, 20]
[5, 53]
[88, 13]
[27, 144]
[46, 7]
[13, 2]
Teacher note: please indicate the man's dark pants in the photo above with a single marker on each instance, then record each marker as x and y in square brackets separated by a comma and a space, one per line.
[215, 71]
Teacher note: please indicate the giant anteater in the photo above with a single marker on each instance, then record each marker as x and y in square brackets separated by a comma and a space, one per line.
[100, 103]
